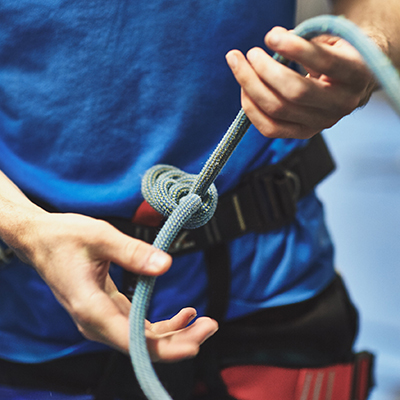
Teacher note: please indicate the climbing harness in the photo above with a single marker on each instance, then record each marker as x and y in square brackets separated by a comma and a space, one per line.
[190, 200]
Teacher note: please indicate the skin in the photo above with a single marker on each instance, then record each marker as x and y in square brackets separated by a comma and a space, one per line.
[72, 253]
[282, 103]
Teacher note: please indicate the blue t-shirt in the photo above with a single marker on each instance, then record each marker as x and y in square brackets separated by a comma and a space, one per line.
[92, 94]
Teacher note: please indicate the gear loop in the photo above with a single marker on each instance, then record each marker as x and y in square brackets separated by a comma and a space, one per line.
[163, 187]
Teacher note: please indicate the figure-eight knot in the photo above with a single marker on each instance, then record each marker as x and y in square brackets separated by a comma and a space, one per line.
[164, 187]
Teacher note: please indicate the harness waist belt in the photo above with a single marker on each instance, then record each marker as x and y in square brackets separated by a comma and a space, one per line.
[264, 199]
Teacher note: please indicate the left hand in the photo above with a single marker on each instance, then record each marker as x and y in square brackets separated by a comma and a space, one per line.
[172, 340]
[282, 103]
[73, 252]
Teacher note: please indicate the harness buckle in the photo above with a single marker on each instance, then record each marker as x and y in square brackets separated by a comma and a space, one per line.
[277, 193]
[182, 243]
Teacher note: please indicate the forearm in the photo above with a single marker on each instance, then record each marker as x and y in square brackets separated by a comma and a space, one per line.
[378, 19]
[17, 214]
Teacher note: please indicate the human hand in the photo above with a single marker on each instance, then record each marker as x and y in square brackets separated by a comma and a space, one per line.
[73, 253]
[173, 340]
[282, 103]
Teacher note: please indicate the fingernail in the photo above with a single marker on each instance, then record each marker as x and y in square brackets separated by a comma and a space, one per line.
[192, 317]
[273, 39]
[157, 262]
[252, 55]
[213, 332]
[232, 60]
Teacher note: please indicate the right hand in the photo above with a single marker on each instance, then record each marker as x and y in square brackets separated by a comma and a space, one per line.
[284, 104]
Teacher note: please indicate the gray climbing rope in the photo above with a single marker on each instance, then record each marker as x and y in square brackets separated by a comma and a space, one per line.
[190, 200]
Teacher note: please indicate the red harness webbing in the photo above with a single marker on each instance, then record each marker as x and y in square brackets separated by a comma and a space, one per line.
[338, 382]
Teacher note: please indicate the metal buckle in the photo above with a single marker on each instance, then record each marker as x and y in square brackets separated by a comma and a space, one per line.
[288, 187]
[296, 183]
[278, 192]
[181, 243]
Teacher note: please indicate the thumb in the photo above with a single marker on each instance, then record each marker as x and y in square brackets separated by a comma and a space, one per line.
[132, 254]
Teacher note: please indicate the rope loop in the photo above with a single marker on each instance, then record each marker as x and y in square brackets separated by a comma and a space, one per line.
[164, 186]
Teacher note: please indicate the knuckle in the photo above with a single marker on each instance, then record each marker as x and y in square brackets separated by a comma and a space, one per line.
[133, 252]
[328, 65]
[297, 45]
[87, 333]
[308, 133]
[79, 312]
[347, 106]
[296, 93]
[84, 320]
[138, 254]
[96, 231]
[247, 105]
[83, 331]
[329, 124]
[101, 227]
[360, 77]
[192, 352]
[278, 111]
[267, 129]
[243, 78]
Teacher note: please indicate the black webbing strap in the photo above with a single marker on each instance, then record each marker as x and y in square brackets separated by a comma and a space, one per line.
[218, 263]
[217, 260]
[264, 199]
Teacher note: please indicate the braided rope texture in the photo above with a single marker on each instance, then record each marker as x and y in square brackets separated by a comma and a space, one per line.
[190, 200]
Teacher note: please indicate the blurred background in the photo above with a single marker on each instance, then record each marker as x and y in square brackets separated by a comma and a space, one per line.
[362, 205]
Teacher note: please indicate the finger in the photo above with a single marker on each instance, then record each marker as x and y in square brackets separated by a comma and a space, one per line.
[263, 70]
[179, 321]
[284, 96]
[271, 127]
[288, 84]
[243, 71]
[304, 94]
[117, 297]
[202, 329]
[284, 105]
[98, 318]
[182, 344]
[340, 62]
[131, 254]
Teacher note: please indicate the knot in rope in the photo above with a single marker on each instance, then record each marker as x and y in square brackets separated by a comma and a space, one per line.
[164, 187]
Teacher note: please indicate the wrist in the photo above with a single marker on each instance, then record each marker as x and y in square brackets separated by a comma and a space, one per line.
[383, 44]
[18, 227]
